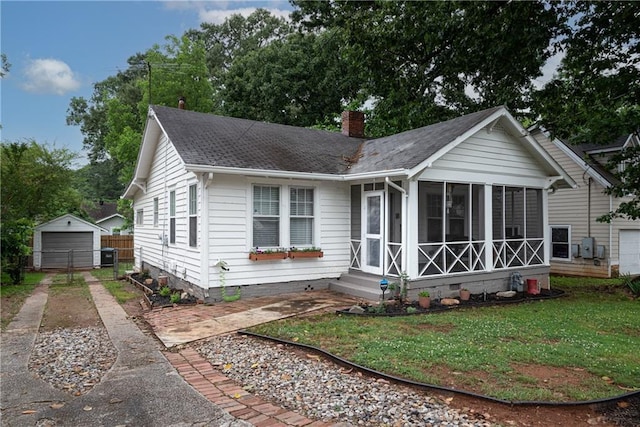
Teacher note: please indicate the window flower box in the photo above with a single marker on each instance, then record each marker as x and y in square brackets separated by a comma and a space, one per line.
[305, 253]
[259, 255]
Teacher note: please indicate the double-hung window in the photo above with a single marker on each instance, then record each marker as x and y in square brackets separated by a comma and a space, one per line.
[561, 242]
[140, 217]
[155, 211]
[193, 215]
[172, 216]
[301, 206]
[266, 216]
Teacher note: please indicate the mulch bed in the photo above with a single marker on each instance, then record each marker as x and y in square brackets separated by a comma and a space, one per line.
[153, 298]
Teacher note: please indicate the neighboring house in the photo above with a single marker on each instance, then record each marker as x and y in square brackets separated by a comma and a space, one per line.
[582, 246]
[462, 203]
[67, 241]
[106, 215]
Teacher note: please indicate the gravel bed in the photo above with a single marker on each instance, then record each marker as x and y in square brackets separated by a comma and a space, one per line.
[73, 360]
[321, 389]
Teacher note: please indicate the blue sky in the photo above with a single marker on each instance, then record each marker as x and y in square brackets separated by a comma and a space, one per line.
[58, 50]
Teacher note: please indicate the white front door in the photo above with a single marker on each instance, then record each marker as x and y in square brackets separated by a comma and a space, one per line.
[373, 232]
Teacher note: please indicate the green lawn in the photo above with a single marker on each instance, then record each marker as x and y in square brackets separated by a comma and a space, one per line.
[589, 339]
[117, 288]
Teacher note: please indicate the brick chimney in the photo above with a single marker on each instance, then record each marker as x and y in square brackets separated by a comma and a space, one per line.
[353, 123]
[181, 102]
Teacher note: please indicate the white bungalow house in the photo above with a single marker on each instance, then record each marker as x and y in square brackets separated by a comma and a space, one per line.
[582, 246]
[462, 203]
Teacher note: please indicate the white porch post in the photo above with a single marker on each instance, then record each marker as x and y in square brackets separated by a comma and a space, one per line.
[205, 262]
[412, 230]
[488, 227]
[545, 227]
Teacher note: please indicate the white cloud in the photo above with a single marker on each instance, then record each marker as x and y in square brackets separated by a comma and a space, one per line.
[49, 76]
[215, 12]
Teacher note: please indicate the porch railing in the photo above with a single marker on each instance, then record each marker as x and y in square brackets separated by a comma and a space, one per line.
[518, 253]
[354, 253]
[394, 259]
[451, 257]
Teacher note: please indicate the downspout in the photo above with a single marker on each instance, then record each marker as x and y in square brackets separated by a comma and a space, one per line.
[405, 227]
[611, 239]
[589, 207]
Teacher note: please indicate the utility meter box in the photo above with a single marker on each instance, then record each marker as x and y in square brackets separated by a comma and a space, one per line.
[587, 247]
[600, 251]
[575, 250]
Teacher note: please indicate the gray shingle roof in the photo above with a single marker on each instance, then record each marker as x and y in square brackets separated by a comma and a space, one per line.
[207, 139]
[408, 149]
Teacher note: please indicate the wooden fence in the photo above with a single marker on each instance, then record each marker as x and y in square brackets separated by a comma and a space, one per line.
[124, 245]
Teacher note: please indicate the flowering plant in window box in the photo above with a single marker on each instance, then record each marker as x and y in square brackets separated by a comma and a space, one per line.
[311, 252]
[258, 254]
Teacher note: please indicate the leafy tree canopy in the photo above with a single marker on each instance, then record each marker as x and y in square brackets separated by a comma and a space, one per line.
[423, 62]
[595, 98]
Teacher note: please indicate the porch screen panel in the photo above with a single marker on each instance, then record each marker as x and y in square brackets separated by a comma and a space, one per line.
[477, 212]
[301, 216]
[457, 212]
[430, 201]
[497, 203]
[356, 215]
[534, 213]
[266, 216]
[514, 212]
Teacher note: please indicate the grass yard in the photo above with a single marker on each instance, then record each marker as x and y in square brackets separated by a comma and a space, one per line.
[583, 346]
[118, 288]
[12, 296]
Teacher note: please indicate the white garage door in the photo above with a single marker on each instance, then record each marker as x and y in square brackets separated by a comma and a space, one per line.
[56, 247]
[629, 251]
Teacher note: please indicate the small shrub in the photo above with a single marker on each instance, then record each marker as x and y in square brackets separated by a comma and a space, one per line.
[423, 294]
[175, 298]
[632, 283]
[411, 310]
[164, 291]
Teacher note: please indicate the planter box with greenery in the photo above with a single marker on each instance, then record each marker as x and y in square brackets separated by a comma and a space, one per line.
[268, 254]
[305, 253]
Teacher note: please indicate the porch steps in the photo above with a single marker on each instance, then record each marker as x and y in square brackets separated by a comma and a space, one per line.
[360, 285]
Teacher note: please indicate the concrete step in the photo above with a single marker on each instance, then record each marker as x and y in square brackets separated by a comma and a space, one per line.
[359, 285]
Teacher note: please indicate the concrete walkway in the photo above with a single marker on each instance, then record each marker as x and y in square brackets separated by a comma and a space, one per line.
[184, 324]
[141, 389]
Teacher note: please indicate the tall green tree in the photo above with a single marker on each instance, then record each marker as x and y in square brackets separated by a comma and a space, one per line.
[595, 97]
[37, 185]
[424, 62]
[300, 80]
[236, 37]
[112, 121]
[5, 66]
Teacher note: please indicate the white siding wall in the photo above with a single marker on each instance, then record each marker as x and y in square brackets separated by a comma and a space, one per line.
[490, 152]
[167, 174]
[230, 232]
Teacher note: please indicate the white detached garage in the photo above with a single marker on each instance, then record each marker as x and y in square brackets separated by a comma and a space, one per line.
[67, 241]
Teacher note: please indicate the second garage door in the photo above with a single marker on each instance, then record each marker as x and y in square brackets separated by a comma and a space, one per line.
[630, 252]
[56, 247]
